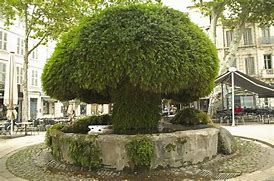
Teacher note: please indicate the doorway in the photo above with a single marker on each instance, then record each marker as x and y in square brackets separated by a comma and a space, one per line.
[33, 108]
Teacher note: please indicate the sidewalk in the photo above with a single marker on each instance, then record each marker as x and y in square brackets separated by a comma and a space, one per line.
[263, 133]
[8, 146]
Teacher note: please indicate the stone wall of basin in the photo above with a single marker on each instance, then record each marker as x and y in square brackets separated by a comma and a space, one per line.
[171, 149]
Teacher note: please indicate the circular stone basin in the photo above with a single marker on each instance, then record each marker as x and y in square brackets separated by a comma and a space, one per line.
[171, 149]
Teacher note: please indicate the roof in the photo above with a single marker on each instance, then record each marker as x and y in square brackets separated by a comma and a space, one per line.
[247, 82]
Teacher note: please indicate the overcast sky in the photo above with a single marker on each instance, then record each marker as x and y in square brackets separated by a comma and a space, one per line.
[182, 5]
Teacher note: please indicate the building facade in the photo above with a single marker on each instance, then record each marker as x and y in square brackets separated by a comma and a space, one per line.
[40, 105]
[254, 57]
[12, 40]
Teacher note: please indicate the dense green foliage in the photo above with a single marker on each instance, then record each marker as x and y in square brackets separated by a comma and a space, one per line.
[190, 116]
[53, 141]
[140, 151]
[149, 51]
[81, 125]
[84, 151]
[135, 111]
[48, 138]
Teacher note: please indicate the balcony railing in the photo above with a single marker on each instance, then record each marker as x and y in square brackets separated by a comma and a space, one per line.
[268, 73]
[266, 40]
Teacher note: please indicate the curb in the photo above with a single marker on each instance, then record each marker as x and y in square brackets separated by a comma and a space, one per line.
[254, 139]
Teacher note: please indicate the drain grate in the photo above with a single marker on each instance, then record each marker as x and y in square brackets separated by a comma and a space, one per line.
[205, 173]
[226, 175]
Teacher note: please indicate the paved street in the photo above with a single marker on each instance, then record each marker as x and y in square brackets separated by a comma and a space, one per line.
[8, 146]
[263, 132]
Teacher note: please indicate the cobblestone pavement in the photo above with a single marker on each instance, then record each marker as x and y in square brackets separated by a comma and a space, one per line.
[262, 132]
[35, 163]
[9, 144]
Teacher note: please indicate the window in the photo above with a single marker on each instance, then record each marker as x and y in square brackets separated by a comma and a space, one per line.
[34, 78]
[249, 66]
[265, 35]
[20, 46]
[2, 72]
[234, 63]
[83, 109]
[267, 61]
[247, 36]
[19, 75]
[3, 40]
[265, 103]
[247, 101]
[229, 37]
[35, 53]
[45, 107]
[266, 32]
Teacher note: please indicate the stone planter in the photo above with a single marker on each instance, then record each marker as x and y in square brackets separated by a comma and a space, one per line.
[171, 149]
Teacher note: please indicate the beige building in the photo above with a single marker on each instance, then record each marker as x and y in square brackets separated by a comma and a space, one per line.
[254, 57]
[12, 40]
[40, 105]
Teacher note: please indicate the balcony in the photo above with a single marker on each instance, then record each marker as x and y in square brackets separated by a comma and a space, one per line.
[266, 40]
[268, 73]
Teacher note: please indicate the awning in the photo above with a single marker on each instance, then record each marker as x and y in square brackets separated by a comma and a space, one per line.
[247, 82]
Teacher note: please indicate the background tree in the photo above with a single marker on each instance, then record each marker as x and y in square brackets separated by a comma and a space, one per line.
[45, 19]
[133, 56]
[234, 14]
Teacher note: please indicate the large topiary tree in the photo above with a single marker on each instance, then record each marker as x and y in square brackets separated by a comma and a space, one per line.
[133, 56]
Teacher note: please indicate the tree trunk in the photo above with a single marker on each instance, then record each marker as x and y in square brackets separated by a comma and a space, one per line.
[233, 48]
[225, 64]
[25, 105]
[65, 108]
[135, 111]
[213, 26]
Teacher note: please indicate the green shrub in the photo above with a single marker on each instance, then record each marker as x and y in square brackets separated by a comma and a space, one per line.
[133, 56]
[103, 120]
[81, 125]
[85, 151]
[190, 116]
[140, 151]
[48, 138]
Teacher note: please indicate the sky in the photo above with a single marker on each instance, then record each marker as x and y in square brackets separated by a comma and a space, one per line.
[184, 6]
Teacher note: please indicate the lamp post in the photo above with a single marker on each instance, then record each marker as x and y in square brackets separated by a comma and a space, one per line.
[232, 70]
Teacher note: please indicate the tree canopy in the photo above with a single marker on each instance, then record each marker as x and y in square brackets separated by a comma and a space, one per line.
[233, 12]
[48, 19]
[154, 48]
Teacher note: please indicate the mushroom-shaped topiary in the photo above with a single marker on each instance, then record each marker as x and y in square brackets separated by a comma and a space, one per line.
[133, 56]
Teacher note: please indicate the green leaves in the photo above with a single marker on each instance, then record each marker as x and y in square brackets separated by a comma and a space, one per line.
[85, 151]
[235, 11]
[153, 48]
[190, 116]
[140, 151]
